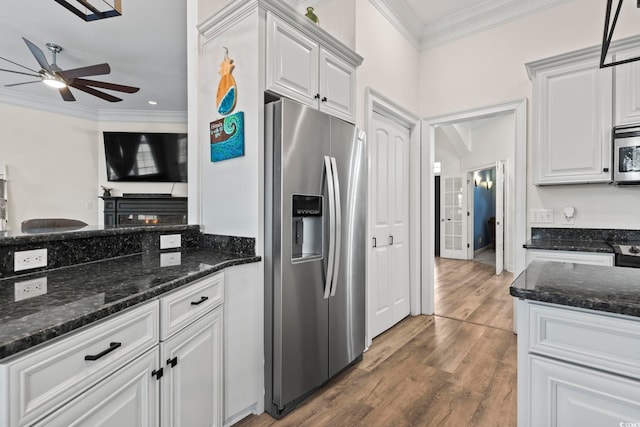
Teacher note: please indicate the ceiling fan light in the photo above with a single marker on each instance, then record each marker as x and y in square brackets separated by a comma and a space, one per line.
[54, 83]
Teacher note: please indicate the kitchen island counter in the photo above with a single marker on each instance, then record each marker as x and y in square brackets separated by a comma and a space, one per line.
[609, 289]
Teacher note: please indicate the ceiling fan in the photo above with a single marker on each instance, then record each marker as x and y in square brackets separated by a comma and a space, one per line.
[54, 76]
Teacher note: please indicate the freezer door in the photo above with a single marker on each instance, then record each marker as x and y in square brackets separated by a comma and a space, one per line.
[347, 306]
[300, 311]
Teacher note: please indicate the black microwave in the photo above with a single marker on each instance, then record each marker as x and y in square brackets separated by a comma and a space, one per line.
[626, 155]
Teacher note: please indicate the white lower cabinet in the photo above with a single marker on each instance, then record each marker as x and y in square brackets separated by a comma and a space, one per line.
[565, 395]
[127, 371]
[577, 367]
[128, 398]
[192, 381]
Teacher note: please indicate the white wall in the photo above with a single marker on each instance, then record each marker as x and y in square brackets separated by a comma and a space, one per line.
[231, 190]
[51, 165]
[391, 63]
[488, 69]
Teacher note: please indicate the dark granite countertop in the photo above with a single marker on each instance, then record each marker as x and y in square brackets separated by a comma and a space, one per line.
[569, 245]
[609, 289]
[18, 237]
[79, 295]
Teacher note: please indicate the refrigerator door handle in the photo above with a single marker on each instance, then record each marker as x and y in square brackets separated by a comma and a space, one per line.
[332, 226]
[338, 229]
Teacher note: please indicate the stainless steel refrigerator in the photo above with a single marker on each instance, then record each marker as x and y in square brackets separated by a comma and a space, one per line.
[314, 251]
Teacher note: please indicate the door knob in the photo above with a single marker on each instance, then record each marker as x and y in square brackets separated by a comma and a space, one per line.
[442, 220]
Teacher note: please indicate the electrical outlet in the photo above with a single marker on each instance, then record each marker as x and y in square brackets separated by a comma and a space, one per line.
[169, 259]
[30, 288]
[25, 260]
[169, 241]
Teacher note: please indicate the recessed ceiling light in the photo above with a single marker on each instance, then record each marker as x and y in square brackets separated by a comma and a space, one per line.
[153, 103]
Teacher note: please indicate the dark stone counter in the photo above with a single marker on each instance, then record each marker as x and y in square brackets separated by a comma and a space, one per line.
[609, 289]
[79, 295]
[569, 245]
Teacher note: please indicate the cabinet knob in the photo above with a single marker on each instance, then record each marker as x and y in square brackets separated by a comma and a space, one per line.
[605, 170]
[317, 96]
[324, 99]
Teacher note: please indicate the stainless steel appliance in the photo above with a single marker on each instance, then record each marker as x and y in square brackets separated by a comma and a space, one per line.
[627, 255]
[314, 251]
[626, 154]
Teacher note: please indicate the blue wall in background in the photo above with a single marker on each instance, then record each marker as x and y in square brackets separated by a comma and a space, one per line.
[484, 207]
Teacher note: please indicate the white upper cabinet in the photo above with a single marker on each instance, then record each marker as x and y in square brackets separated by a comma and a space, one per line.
[337, 86]
[572, 119]
[293, 60]
[627, 82]
[308, 69]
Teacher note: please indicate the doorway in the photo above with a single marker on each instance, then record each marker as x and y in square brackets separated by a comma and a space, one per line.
[394, 223]
[515, 189]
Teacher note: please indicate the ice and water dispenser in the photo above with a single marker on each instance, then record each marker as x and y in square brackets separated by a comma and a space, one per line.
[306, 228]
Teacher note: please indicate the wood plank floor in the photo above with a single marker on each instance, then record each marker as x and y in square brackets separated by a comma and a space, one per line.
[456, 368]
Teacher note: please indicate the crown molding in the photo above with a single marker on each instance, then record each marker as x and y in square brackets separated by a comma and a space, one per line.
[45, 104]
[236, 10]
[402, 18]
[89, 113]
[142, 116]
[480, 17]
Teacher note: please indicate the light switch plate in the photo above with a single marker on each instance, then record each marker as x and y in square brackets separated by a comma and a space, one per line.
[542, 216]
[169, 241]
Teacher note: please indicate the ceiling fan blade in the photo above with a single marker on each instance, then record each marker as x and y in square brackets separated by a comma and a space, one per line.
[105, 85]
[15, 63]
[66, 94]
[20, 72]
[35, 51]
[23, 83]
[91, 70]
[95, 92]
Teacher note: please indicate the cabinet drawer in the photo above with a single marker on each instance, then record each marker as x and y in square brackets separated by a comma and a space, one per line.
[48, 377]
[600, 341]
[129, 397]
[591, 258]
[186, 305]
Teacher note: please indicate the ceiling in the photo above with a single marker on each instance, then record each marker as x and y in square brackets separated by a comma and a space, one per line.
[146, 46]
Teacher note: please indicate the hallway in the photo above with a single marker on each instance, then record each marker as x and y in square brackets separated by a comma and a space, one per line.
[456, 368]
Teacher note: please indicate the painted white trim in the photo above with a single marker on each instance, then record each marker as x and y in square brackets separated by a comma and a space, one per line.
[142, 116]
[519, 109]
[396, 13]
[378, 103]
[236, 10]
[482, 16]
[194, 119]
[90, 113]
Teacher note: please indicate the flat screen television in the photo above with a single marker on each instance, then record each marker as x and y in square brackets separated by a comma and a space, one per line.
[146, 156]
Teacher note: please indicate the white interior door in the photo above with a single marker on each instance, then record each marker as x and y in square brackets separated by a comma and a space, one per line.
[388, 277]
[453, 217]
[500, 173]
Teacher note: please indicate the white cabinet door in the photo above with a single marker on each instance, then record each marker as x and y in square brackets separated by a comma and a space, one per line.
[128, 398]
[292, 63]
[192, 381]
[572, 114]
[337, 86]
[564, 395]
[389, 270]
[627, 81]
